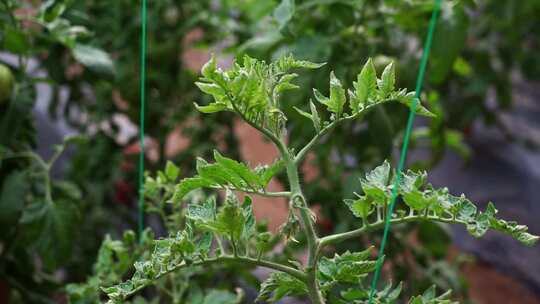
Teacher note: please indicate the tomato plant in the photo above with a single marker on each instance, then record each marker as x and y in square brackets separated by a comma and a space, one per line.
[225, 234]
[469, 86]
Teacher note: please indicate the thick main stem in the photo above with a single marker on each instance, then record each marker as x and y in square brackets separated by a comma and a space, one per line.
[298, 199]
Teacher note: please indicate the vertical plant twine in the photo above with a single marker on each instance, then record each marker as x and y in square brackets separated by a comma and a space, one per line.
[410, 121]
[140, 219]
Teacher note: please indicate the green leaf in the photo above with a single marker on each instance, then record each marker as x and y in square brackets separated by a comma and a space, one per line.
[15, 41]
[12, 200]
[205, 243]
[69, 189]
[519, 232]
[320, 97]
[183, 244]
[279, 285]
[346, 268]
[417, 199]
[314, 116]
[353, 272]
[408, 100]
[230, 219]
[95, 59]
[375, 185]
[284, 12]
[365, 87]
[50, 229]
[75, 140]
[171, 171]
[465, 210]
[263, 242]
[252, 89]
[287, 62]
[212, 89]
[337, 95]
[249, 222]
[208, 70]
[49, 11]
[187, 185]
[412, 180]
[430, 297]
[227, 173]
[303, 113]
[361, 207]
[249, 177]
[267, 172]
[219, 175]
[204, 213]
[352, 294]
[307, 64]
[284, 83]
[388, 81]
[449, 41]
[391, 295]
[212, 108]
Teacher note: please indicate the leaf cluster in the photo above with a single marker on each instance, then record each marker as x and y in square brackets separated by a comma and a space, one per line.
[227, 233]
[226, 173]
[425, 201]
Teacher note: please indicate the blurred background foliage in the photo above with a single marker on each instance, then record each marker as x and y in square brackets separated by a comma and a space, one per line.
[75, 65]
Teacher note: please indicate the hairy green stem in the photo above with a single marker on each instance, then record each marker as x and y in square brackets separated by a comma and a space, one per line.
[340, 237]
[297, 199]
[303, 152]
[261, 193]
[228, 258]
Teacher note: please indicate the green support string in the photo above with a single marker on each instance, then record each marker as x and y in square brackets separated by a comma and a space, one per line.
[140, 219]
[410, 121]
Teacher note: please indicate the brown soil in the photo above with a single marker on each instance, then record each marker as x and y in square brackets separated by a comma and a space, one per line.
[488, 286]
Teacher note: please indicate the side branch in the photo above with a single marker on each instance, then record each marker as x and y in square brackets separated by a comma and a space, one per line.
[302, 153]
[340, 237]
[285, 194]
[225, 258]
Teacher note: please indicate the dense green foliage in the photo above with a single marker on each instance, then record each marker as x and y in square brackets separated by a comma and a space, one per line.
[40, 211]
[85, 51]
[215, 235]
[59, 45]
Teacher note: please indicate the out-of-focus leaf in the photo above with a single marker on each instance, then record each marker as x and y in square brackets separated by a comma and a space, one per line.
[15, 41]
[50, 228]
[284, 12]
[448, 41]
[93, 58]
[12, 199]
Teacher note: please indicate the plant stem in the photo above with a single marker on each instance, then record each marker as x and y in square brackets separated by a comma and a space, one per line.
[228, 258]
[261, 193]
[340, 237]
[297, 199]
[303, 152]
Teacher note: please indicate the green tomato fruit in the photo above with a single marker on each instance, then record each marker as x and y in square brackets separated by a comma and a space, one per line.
[6, 83]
